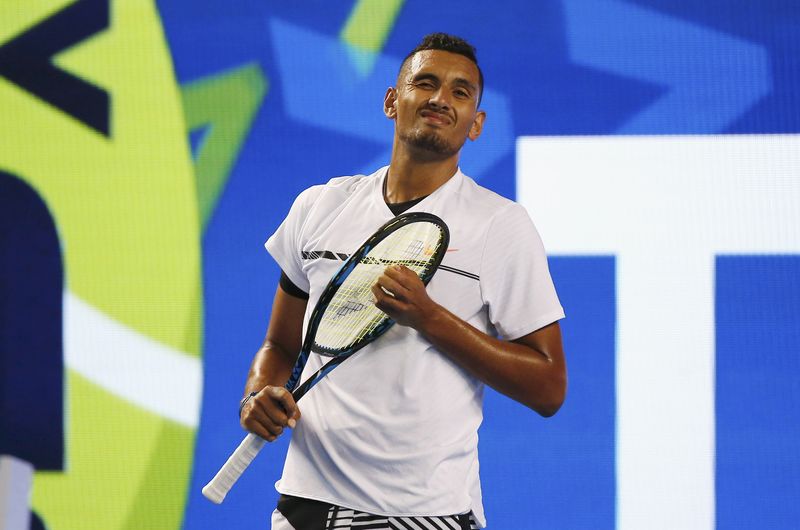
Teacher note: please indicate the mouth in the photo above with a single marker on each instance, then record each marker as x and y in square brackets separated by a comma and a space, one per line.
[435, 118]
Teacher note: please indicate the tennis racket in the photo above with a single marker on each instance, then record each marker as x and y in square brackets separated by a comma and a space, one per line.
[345, 318]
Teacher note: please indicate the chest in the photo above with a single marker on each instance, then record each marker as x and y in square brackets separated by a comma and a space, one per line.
[456, 285]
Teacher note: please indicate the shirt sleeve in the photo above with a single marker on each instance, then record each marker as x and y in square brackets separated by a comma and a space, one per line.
[515, 279]
[286, 244]
[290, 288]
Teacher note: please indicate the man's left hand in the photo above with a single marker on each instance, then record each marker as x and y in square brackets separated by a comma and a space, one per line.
[401, 294]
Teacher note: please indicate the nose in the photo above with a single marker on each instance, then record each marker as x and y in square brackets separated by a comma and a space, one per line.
[439, 100]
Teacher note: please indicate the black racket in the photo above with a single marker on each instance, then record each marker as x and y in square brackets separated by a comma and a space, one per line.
[345, 318]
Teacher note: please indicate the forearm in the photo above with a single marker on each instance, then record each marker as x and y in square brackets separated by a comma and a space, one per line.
[273, 408]
[271, 366]
[273, 362]
[531, 376]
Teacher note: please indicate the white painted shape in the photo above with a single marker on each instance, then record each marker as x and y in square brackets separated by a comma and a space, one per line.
[731, 193]
[665, 393]
[145, 372]
[665, 206]
[16, 478]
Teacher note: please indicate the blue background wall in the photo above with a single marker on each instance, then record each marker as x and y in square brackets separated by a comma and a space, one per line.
[316, 123]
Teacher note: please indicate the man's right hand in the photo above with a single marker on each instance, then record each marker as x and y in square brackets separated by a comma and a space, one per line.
[269, 412]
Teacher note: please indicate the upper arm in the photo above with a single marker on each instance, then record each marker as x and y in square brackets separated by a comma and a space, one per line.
[547, 342]
[286, 243]
[515, 277]
[286, 322]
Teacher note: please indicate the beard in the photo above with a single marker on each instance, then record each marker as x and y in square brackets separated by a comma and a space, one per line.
[431, 143]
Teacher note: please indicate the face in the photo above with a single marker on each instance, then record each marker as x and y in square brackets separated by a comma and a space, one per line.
[435, 103]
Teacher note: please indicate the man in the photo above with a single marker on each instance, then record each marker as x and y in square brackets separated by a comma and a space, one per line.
[391, 436]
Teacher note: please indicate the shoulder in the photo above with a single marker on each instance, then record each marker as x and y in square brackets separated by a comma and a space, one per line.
[489, 207]
[319, 205]
[336, 189]
[332, 193]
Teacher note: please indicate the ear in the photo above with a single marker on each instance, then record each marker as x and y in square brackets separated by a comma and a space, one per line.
[390, 103]
[477, 125]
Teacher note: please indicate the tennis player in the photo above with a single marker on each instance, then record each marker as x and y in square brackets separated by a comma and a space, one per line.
[390, 439]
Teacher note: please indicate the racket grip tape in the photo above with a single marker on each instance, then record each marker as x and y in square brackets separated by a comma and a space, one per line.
[229, 473]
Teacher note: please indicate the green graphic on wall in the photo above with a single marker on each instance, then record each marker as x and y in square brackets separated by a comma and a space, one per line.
[130, 205]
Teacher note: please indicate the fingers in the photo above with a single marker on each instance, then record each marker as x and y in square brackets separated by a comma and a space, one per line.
[398, 281]
[385, 301]
[400, 293]
[400, 273]
[270, 412]
[392, 287]
[284, 397]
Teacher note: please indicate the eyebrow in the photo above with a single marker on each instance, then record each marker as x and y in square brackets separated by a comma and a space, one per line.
[424, 76]
[460, 81]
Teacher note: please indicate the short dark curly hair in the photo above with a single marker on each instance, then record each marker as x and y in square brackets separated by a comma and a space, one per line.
[448, 43]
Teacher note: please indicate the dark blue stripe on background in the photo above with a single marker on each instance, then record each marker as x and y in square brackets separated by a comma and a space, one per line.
[31, 329]
[758, 392]
[560, 472]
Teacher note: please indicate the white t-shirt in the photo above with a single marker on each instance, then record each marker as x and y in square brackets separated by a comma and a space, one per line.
[394, 430]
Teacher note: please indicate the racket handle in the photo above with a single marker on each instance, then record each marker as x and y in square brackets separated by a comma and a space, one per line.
[229, 473]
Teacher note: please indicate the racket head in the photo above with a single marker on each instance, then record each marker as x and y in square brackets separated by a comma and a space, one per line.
[345, 319]
[373, 256]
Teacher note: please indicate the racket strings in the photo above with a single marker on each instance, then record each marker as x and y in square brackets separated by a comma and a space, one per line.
[410, 263]
[351, 315]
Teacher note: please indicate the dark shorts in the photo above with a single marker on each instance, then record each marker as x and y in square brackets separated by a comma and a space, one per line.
[305, 514]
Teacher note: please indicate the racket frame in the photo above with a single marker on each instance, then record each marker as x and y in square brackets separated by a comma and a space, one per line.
[226, 477]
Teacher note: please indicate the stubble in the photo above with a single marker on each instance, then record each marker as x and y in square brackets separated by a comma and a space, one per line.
[431, 143]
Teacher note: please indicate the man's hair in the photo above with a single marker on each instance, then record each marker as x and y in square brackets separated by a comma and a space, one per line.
[448, 43]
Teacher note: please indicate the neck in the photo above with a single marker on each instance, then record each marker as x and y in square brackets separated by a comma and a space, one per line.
[411, 177]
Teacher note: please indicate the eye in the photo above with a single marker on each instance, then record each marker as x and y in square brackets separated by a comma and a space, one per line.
[461, 93]
[425, 84]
